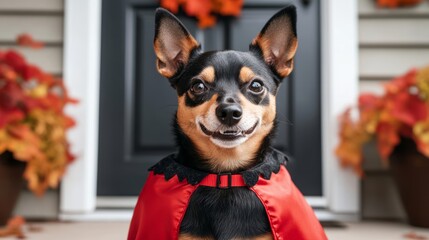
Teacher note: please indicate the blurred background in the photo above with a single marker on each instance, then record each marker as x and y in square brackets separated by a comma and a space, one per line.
[83, 112]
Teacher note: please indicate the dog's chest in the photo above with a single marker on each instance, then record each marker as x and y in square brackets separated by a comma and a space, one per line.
[225, 214]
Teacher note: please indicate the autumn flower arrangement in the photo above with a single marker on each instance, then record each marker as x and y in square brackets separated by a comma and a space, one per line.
[401, 112]
[205, 11]
[32, 119]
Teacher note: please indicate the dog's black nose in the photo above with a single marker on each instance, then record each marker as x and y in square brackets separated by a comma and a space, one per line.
[229, 114]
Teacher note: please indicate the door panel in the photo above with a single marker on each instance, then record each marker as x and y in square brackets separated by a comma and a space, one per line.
[137, 105]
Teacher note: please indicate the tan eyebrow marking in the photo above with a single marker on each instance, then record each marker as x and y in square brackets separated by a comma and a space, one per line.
[207, 74]
[246, 74]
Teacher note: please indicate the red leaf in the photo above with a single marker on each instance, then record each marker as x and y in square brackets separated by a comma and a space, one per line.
[229, 7]
[401, 83]
[15, 60]
[198, 7]
[368, 101]
[28, 41]
[397, 3]
[7, 73]
[11, 96]
[409, 108]
[30, 72]
[171, 5]
[7, 116]
[413, 235]
[206, 21]
[387, 139]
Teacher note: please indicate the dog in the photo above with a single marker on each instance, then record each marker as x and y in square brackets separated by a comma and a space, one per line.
[226, 181]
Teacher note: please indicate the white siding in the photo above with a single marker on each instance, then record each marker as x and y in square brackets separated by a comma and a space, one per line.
[371, 86]
[46, 28]
[394, 31]
[31, 5]
[43, 20]
[390, 62]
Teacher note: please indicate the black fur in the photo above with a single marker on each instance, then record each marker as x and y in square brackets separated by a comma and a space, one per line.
[225, 214]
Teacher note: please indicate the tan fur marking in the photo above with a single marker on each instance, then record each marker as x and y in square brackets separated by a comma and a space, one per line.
[226, 159]
[186, 119]
[268, 236]
[190, 237]
[207, 74]
[188, 44]
[270, 113]
[246, 74]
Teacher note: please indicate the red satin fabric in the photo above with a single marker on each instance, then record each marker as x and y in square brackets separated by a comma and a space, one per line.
[288, 212]
[162, 205]
[160, 209]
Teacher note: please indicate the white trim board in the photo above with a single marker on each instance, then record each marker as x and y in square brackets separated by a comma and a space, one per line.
[81, 74]
[339, 90]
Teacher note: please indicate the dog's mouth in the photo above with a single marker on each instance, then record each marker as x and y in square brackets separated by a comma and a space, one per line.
[228, 134]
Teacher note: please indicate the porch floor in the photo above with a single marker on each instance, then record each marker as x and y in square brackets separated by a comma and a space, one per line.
[118, 230]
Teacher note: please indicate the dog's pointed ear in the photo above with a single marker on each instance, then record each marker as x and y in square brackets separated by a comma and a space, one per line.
[278, 41]
[173, 43]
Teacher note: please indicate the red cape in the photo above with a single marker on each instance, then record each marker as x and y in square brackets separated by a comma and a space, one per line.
[162, 205]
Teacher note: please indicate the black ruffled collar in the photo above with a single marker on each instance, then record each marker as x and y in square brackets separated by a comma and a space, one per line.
[169, 167]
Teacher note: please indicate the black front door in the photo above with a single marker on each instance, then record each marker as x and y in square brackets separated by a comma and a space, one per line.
[137, 105]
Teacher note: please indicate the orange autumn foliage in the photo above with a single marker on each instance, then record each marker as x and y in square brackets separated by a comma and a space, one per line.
[401, 112]
[32, 119]
[397, 3]
[204, 10]
[13, 228]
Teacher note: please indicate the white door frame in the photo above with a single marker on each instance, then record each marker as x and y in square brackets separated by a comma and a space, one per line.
[78, 200]
[340, 88]
[82, 27]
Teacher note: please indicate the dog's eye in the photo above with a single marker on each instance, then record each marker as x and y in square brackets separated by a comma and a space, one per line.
[198, 88]
[256, 86]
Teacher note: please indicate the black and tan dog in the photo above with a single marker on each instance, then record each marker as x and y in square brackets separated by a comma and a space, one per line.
[226, 182]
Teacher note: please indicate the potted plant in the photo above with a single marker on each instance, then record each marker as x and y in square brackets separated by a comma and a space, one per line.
[33, 125]
[399, 122]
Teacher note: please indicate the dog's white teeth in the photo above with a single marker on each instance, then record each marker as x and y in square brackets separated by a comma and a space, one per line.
[232, 133]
